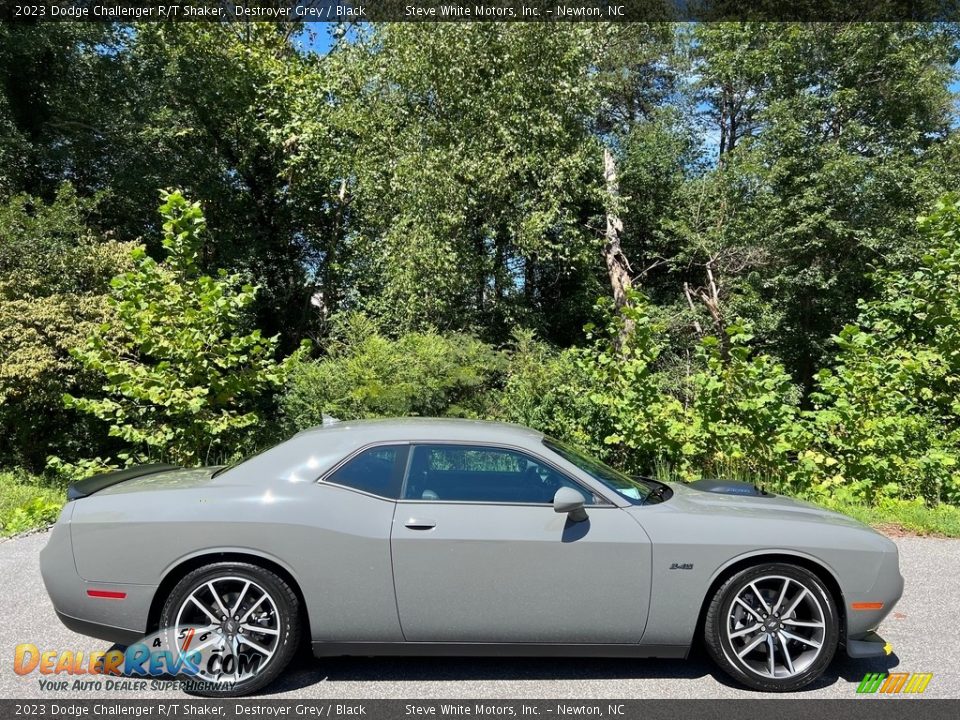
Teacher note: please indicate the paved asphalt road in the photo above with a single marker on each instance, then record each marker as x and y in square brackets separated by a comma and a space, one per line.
[924, 630]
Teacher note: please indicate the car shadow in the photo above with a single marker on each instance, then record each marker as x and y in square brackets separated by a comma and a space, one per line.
[306, 671]
[852, 670]
[417, 670]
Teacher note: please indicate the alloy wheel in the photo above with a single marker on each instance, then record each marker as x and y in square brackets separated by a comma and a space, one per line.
[776, 626]
[234, 625]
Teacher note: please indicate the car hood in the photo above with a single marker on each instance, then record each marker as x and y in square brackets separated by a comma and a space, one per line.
[690, 500]
[178, 479]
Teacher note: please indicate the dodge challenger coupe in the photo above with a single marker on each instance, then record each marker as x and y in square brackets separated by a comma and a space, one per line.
[457, 537]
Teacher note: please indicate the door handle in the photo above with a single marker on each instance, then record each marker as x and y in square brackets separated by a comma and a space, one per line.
[420, 524]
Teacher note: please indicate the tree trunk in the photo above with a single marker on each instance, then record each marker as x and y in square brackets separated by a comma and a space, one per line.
[710, 295]
[618, 267]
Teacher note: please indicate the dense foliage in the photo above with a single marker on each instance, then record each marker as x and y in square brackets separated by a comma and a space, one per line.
[888, 412]
[55, 275]
[436, 209]
[365, 373]
[183, 378]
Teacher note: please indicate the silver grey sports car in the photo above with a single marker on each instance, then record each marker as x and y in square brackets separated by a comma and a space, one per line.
[455, 537]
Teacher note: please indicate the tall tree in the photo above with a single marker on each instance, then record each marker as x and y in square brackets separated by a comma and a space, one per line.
[468, 178]
[822, 171]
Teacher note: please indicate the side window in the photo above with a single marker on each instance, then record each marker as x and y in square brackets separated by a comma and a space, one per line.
[483, 474]
[376, 470]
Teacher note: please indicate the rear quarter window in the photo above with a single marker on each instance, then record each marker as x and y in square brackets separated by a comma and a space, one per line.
[377, 471]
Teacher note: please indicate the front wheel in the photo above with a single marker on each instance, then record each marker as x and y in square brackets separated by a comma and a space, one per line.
[238, 625]
[773, 627]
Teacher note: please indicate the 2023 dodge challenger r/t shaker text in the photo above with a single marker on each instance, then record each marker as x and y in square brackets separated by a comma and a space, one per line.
[457, 537]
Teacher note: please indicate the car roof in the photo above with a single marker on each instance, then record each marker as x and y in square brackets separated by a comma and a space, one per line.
[426, 429]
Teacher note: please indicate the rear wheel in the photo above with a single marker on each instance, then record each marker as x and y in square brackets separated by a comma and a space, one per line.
[237, 623]
[773, 627]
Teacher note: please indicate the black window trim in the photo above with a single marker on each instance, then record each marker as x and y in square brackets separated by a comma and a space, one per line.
[547, 440]
[399, 472]
[604, 501]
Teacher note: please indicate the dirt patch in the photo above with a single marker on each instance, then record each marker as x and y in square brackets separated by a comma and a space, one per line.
[893, 530]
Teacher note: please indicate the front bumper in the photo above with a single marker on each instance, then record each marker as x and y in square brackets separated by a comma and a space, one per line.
[871, 645]
[862, 615]
[862, 611]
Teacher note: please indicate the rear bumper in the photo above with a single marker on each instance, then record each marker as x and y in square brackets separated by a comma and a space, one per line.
[120, 636]
[111, 611]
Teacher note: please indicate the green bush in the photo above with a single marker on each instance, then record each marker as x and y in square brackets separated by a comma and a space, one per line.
[887, 418]
[733, 412]
[742, 412]
[548, 389]
[186, 379]
[67, 472]
[54, 279]
[640, 421]
[27, 502]
[33, 515]
[365, 374]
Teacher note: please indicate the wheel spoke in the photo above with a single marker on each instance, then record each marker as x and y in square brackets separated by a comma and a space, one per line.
[747, 648]
[236, 654]
[217, 599]
[259, 648]
[791, 636]
[783, 594]
[214, 620]
[196, 631]
[786, 654]
[745, 631]
[771, 661]
[766, 608]
[253, 607]
[233, 649]
[796, 601]
[236, 605]
[756, 615]
[802, 623]
[216, 640]
[258, 629]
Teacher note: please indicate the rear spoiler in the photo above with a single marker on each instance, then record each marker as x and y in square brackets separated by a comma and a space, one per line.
[96, 483]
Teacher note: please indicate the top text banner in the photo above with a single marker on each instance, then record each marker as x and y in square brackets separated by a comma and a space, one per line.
[348, 11]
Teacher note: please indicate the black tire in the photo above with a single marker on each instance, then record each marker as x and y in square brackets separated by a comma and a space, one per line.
[288, 621]
[721, 646]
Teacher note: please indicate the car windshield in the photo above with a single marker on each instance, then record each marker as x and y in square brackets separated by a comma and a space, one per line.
[635, 491]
